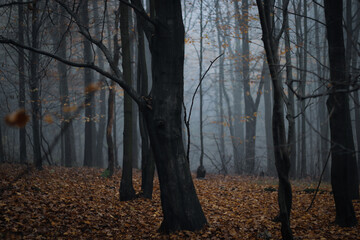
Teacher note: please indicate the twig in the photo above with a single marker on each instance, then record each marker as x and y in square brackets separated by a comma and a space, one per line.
[187, 121]
[317, 188]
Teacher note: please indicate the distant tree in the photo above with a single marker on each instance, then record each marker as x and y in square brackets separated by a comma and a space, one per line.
[89, 148]
[34, 84]
[22, 97]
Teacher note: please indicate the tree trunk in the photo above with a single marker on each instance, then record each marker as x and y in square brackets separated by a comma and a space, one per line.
[89, 95]
[99, 158]
[290, 103]
[201, 172]
[147, 159]
[237, 93]
[22, 97]
[181, 207]
[323, 122]
[344, 177]
[127, 191]
[271, 169]
[109, 140]
[282, 159]
[66, 131]
[34, 88]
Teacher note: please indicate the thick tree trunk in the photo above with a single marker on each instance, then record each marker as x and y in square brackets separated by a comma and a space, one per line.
[22, 97]
[344, 177]
[34, 89]
[127, 191]
[181, 207]
[89, 148]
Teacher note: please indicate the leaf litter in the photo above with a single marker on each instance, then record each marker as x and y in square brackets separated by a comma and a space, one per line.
[77, 203]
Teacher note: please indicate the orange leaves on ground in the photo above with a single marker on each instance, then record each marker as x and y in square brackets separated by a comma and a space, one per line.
[76, 203]
[18, 118]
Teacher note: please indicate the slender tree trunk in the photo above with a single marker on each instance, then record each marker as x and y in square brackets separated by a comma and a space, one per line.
[290, 103]
[271, 169]
[282, 159]
[109, 140]
[201, 170]
[321, 105]
[237, 93]
[34, 88]
[344, 177]
[66, 131]
[99, 160]
[127, 191]
[147, 159]
[89, 96]
[22, 97]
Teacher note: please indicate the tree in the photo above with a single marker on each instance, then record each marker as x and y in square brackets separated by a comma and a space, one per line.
[127, 191]
[161, 109]
[89, 148]
[66, 125]
[282, 158]
[344, 176]
[200, 173]
[180, 204]
[22, 97]
[34, 85]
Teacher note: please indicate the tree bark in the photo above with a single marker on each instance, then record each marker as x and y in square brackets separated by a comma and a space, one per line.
[99, 158]
[147, 159]
[180, 204]
[344, 177]
[282, 159]
[89, 148]
[127, 191]
[34, 88]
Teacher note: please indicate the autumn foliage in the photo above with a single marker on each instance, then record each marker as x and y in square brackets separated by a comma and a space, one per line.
[77, 203]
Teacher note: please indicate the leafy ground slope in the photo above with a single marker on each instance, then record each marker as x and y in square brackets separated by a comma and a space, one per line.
[76, 203]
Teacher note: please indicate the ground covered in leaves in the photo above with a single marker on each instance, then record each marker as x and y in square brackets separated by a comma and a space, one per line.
[77, 203]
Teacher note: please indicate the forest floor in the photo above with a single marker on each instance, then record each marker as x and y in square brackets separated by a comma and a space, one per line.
[77, 203]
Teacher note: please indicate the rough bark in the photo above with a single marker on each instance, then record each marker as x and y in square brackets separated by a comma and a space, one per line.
[109, 140]
[127, 191]
[2, 156]
[180, 204]
[344, 177]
